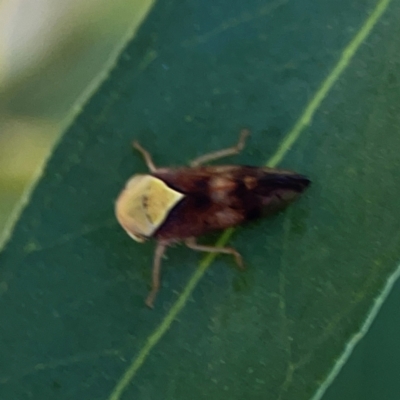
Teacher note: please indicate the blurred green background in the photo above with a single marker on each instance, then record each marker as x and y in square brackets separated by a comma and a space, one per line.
[49, 56]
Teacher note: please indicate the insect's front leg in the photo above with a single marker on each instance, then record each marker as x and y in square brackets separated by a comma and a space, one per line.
[230, 151]
[192, 244]
[146, 155]
[155, 285]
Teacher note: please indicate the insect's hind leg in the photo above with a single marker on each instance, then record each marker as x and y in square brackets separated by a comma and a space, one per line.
[192, 244]
[230, 151]
[146, 155]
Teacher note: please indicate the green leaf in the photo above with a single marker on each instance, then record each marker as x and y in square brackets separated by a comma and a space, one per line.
[317, 84]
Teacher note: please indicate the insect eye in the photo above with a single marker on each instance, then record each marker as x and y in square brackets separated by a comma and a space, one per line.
[137, 237]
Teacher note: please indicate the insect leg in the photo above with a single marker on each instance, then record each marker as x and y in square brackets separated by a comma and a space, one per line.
[155, 285]
[146, 155]
[230, 151]
[192, 244]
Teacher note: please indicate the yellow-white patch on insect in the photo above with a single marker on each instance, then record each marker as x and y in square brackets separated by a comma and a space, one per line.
[144, 205]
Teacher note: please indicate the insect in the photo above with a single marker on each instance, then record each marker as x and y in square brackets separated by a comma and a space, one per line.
[175, 205]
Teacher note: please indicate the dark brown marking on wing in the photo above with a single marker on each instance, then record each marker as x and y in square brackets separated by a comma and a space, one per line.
[224, 196]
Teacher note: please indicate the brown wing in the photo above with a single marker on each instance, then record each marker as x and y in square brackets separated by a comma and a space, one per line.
[218, 197]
